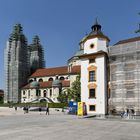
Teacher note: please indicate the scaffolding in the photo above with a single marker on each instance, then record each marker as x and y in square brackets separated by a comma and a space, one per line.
[124, 61]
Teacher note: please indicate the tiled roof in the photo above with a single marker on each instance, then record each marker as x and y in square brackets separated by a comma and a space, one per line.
[47, 84]
[56, 71]
[128, 40]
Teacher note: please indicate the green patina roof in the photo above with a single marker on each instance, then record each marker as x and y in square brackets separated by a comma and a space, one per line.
[34, 84]
[80, 52]
[56, 83]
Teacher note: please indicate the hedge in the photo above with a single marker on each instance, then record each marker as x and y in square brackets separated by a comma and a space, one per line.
[51, 105]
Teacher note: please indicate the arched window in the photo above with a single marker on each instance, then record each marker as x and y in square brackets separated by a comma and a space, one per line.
[23, 92]
[61, 78]
[45, 93]
[50, 92]
[40, 80]
[39, 92]
[30, 81]
[50, 79]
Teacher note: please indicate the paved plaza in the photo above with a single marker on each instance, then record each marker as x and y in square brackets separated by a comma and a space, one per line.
[15, 125]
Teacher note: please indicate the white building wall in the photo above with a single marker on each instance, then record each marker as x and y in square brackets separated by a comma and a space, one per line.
[30, 95]
[101, 93]
[72, 78]
[101, 85]
[99, 44]
[55, 94]
[84, 82]
[102, 45]
[74, 62]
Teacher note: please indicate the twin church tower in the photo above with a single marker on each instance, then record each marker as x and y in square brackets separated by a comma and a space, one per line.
[21, 60]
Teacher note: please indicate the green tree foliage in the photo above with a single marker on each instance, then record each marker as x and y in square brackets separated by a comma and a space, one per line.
[63, 97]
[71, 93]
[75, 91]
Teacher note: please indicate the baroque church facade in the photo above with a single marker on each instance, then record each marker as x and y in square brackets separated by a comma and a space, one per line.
[109, 74]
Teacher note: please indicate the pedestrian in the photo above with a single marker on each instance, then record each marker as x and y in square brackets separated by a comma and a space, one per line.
[27, 109]
[122, 114]
[128, 113]
[24, 109]
[15, 108]
[40, 109]
[133, 113]
[47, 110]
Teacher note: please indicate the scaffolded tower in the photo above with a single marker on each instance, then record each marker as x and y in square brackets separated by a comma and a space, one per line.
[16, 64]
[124, 59]
[36, 55]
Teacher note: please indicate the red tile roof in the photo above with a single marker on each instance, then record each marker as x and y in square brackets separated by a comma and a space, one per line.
[56, 71]
[47, 84]
[128, 40]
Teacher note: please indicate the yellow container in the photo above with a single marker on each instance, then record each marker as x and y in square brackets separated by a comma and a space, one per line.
[80, 109]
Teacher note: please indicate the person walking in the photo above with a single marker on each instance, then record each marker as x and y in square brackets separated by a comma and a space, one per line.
[133, 113]
[122, 114]
[47, 110]
[128, 113]
[15, 108]
[24, 109]
[40, 109]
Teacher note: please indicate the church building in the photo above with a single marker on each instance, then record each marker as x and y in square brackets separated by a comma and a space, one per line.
[110, 75]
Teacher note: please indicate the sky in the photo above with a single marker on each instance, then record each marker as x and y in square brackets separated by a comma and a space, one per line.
[61, 24]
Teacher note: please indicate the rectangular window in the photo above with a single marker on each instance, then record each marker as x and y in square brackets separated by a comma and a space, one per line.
[92, 107]
[92, 76]
[36, 92]
[29, 93]
[91, 60]
[39, 92]
[92, 93]
[50, 92]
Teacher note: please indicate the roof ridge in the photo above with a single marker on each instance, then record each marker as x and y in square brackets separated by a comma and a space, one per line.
[128, 40]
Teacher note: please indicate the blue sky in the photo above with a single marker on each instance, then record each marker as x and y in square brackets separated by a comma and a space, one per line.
[62, 23]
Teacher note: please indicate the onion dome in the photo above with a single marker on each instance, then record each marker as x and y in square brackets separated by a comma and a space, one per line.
[34, 84]
[56, 83]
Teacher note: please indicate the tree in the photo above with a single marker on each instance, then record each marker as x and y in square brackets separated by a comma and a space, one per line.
[63, 97]
[73, 93]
